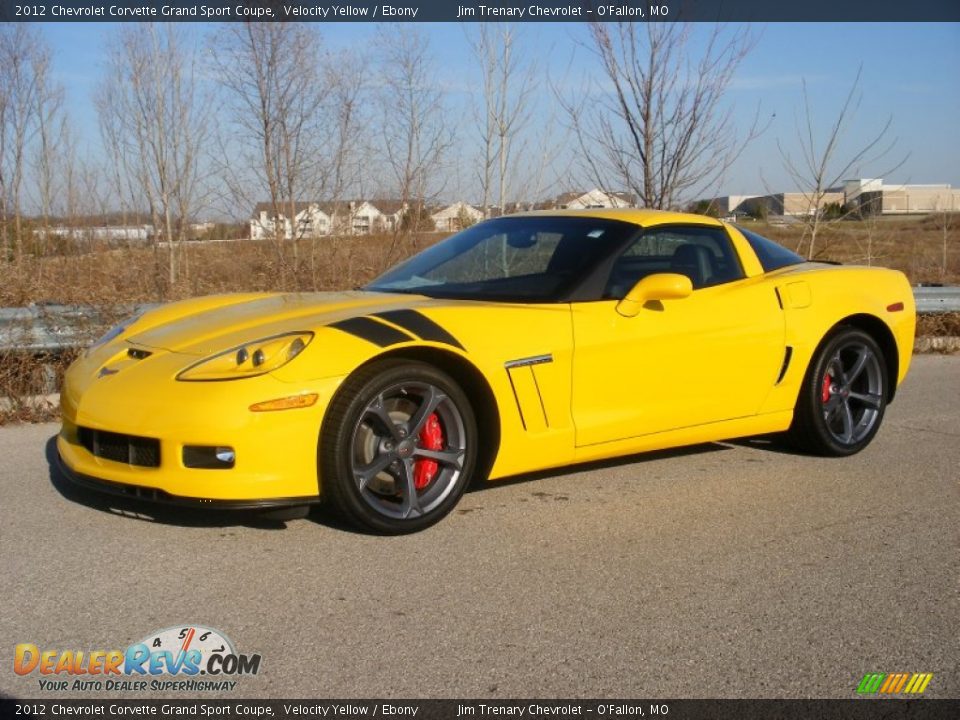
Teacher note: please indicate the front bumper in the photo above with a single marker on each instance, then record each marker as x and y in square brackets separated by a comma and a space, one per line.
[148, 494]
[276, 452]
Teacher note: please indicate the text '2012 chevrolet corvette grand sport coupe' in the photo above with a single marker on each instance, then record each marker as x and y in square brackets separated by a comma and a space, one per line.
[521, 343]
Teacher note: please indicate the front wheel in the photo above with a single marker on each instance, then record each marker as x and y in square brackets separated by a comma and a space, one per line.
[398, 447]
[844, 395]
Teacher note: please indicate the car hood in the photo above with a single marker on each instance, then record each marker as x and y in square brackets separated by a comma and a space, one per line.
[202, 328]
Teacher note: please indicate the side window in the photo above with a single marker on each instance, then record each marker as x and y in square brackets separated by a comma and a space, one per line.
[703, 254]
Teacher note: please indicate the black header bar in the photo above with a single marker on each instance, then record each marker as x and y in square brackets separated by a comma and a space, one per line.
[861, 709]
[485, 11]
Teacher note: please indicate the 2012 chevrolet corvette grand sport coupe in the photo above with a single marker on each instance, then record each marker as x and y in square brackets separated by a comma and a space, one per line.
[522, 343]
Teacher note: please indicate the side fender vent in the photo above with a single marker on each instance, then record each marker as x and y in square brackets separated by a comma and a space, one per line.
[787, 354]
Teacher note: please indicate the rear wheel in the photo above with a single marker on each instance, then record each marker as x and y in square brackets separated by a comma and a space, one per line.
[398, 447]
[844, 395]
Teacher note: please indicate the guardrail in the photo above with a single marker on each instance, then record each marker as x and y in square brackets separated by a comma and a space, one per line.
[934, 299]
[55, 328]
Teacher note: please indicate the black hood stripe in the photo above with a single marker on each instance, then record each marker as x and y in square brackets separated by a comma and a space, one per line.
[419, 324]
[372, 331]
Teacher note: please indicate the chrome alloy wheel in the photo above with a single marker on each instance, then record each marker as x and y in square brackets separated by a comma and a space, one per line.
[851, 392]
[407, 450]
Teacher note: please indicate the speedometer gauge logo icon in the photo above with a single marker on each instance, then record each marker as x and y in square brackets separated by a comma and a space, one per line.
[183, 639]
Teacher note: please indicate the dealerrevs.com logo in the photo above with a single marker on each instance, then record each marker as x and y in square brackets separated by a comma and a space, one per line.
[188, 658]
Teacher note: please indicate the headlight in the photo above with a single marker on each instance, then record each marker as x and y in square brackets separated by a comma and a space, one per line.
[116, 331]
[250, 359]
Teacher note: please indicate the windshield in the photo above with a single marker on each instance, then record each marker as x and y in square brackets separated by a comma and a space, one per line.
[528, 259]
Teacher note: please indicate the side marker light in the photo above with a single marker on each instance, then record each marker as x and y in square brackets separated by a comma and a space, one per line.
[288, 403]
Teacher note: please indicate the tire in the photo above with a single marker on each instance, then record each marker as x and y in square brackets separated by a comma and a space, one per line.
[398, 447]
[844, 395]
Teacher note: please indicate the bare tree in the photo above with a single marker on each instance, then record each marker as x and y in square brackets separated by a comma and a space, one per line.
[414, 131]
[485, 115]
[279, 96]
[822, 162]
[506, 86]
[150, 102]
[118, 161]
[943, 213]
[662, 130]
[52, 158]
[875, 235]
[348, 119]
[21, 52]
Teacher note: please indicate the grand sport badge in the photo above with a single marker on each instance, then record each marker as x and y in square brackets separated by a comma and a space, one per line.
[180, 652]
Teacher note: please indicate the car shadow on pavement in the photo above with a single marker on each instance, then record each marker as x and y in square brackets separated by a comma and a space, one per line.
[152, 512]
[635, 459]
[777, 443]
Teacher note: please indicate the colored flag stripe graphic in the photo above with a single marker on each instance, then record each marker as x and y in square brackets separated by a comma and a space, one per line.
[893, 683]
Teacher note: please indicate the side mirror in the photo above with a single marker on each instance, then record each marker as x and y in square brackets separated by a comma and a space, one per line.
[661, 286]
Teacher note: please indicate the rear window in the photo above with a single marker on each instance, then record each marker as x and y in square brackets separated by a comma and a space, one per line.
[770, 254]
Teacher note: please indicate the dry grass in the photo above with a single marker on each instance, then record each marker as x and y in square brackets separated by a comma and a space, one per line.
[25, 382]
[104, 277]
[913, 246]
[939, 324]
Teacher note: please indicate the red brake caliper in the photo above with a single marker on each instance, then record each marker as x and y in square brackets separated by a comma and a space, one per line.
[825, 388]
[431, 438]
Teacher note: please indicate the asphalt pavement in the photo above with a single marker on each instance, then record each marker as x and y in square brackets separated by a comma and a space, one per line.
[727, 570]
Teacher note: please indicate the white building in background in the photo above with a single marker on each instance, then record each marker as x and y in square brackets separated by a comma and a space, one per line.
[456, 216]
[730, 205]
[595, 198]
[788, 204]
[316, 218]
[363, 217]
[309, 221]
[863, 196]
[870, 196]
[108, 233]
[391, 213]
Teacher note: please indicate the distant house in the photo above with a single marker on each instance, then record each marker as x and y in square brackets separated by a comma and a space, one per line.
[309, 221]
[355, 217]
[317, 218]
[391, 213]
[595, 198]
[456, 216]
[364, 218]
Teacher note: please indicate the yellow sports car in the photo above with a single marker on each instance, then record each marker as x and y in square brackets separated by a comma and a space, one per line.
[522, 343]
